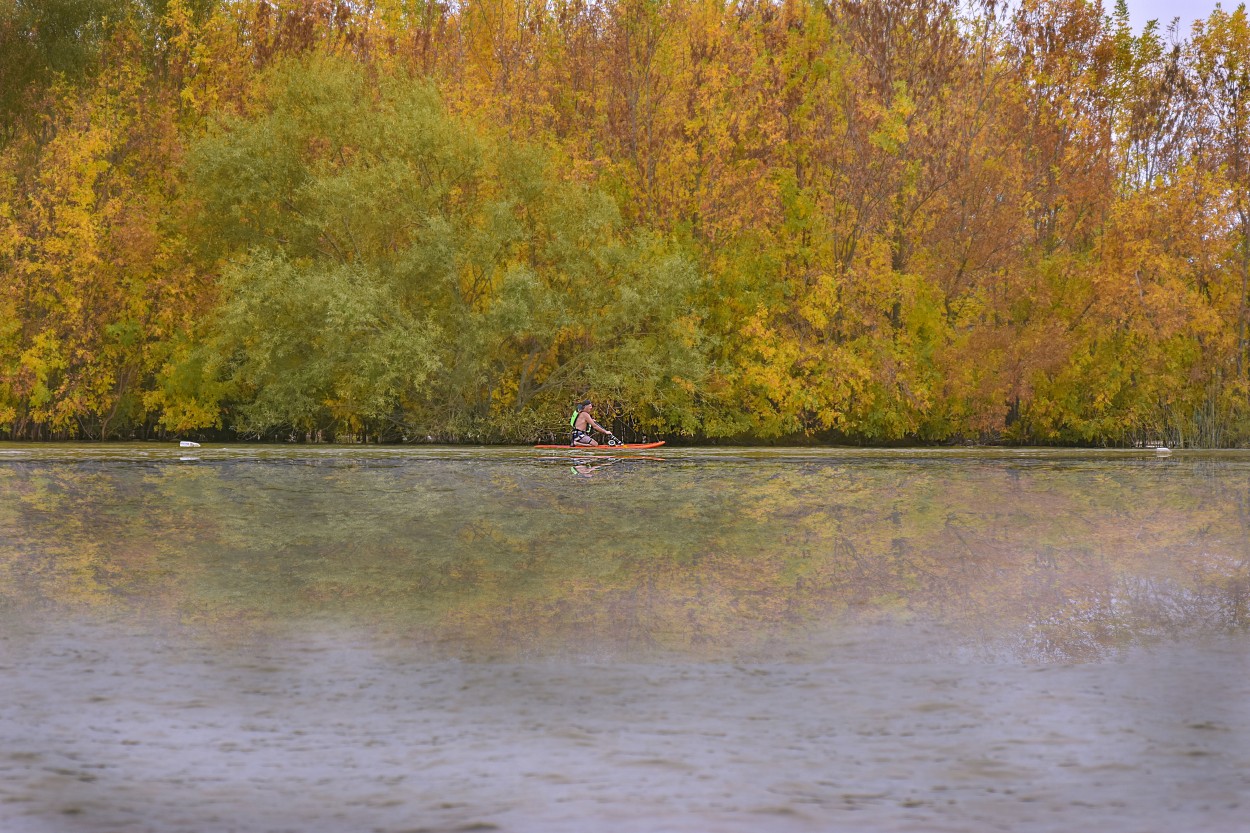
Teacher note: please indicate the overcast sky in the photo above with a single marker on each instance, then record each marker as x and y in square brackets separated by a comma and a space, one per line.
[1188, 11]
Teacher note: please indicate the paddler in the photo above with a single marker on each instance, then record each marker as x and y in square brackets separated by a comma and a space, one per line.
[582, 422]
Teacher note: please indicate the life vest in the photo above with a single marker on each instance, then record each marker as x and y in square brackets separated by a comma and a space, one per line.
[573, 419]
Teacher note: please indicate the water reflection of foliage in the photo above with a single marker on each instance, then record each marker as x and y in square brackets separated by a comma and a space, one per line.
[1059, 561]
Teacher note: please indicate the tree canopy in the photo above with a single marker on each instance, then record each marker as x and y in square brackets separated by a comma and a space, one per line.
[903, 221]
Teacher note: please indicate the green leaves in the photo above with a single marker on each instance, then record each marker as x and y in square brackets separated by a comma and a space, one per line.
[391, 268]
[316, 346]
[41, 39]
[863, 222]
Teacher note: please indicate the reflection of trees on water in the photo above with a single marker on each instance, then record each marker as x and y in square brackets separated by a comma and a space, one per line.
[1058, 560]
[1134, 611]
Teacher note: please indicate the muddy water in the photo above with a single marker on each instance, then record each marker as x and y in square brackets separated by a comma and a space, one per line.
[449, 639]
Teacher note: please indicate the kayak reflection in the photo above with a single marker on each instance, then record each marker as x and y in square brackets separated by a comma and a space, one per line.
[588, 466]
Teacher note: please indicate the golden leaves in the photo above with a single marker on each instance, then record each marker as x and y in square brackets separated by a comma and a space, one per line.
[900, 225]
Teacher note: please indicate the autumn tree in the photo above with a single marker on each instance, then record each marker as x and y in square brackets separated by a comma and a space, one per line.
[389, 269]
[96, 279]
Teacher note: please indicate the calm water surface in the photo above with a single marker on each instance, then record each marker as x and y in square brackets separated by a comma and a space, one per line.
[307, 639]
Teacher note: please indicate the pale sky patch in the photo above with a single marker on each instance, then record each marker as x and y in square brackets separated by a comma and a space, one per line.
[1141, 11]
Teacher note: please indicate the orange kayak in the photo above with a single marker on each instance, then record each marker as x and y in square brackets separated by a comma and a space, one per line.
[602, 447]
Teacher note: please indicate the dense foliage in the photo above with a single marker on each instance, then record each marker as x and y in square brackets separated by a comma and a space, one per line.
[905, 220]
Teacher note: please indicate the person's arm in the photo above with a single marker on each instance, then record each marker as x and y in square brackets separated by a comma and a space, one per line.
[602, 430]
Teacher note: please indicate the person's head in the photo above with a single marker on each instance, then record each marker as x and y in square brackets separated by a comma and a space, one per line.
[585, 405]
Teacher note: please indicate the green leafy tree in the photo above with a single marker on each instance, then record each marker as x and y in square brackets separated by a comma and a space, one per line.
[388, 269]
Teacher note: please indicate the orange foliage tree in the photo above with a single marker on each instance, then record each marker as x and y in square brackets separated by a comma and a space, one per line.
[913, 220]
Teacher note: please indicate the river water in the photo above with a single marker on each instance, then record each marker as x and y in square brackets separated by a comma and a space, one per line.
[260, 638]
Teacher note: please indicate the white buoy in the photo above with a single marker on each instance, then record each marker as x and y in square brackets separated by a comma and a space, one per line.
[1162, 451]
[188, 444]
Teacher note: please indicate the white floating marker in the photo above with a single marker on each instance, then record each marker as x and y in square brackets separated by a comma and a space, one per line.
[1162, 451]
[188, 444]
